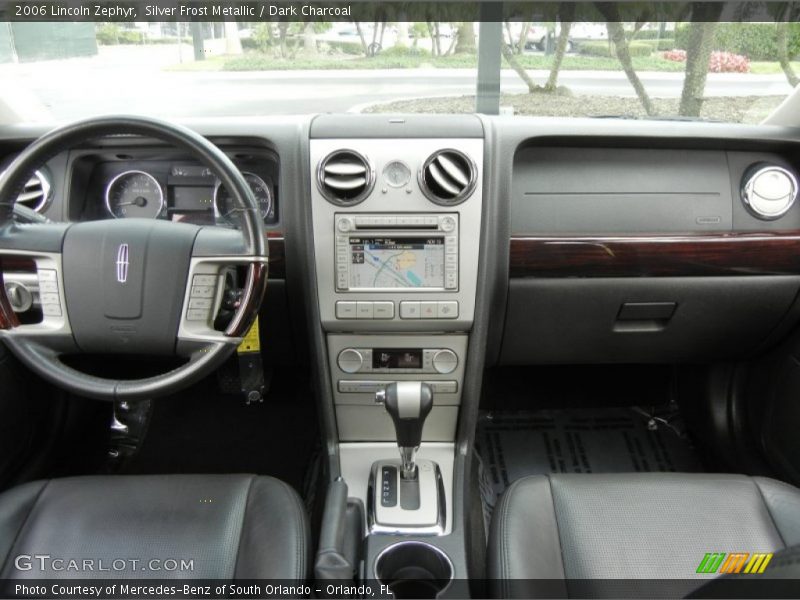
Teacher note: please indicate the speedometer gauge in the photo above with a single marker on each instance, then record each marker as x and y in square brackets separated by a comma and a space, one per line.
[224, 204]
[134, 194]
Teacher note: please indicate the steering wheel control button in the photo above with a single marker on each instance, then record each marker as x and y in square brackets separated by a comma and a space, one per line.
[51, 310]
[204, 280]
[196, 314]
[383, 310]
[447, 309]
[345, 310]
[48, 293]
[409, 309]
[445, 361]
[350, 360]
[204, 303]
[202, 291]
[19, 296]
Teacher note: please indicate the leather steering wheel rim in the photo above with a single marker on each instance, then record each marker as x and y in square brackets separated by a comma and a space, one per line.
[44, 359]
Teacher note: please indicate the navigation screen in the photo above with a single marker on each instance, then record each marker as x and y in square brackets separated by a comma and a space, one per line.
[382, 262]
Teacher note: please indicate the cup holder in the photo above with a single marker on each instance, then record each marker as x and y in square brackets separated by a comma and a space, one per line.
[414, 570]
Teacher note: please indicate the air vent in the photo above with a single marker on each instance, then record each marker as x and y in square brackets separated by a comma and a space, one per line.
[36, 193]
[345, 177]
[448, 177]
[769, 191]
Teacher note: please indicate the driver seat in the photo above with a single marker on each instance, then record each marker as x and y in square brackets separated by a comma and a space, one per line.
[154, 527]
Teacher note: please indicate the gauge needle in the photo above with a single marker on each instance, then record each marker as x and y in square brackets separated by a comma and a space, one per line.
[137, 202]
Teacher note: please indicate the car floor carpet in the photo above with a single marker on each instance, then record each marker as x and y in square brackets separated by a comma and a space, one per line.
[515, 444]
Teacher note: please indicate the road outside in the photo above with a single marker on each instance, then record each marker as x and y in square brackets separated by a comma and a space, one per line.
[140, 79]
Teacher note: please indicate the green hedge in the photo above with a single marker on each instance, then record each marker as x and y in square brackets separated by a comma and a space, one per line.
[659, 45]
[110, 34]
[757, 41]
[606, 49]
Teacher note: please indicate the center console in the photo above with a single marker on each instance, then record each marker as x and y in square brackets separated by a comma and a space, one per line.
[397, 229]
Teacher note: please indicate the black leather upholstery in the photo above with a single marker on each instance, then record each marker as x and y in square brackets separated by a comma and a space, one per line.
[229, 526]
[575, 529]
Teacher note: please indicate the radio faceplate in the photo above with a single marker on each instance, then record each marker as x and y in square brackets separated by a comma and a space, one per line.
[401, 252]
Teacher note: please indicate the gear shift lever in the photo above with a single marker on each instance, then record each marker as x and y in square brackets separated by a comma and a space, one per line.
[408, 403]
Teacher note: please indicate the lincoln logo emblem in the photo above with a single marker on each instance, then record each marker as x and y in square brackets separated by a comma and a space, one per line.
[122, 263]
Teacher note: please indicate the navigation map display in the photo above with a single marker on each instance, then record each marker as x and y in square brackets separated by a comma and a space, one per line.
[383, 262]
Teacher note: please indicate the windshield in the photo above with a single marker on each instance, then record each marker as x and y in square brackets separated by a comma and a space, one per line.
[565, 67]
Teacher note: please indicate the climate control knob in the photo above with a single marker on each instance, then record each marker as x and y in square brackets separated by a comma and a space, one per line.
[350, 360]
[445, 361]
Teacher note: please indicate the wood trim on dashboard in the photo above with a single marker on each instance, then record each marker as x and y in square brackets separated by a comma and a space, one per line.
[656, 255]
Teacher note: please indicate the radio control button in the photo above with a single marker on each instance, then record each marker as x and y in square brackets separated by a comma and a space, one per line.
[409, 310]
[383, 310]
[447, 309]
[364, 310]
[350, 360]
[344, 224]
[345, 310]
[428, 310]
[341, 281]
[448, 224]
[445, 361]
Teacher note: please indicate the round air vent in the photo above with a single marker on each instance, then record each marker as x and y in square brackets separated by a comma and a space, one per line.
[36, 193]
[769, 191]
[345, 177]
[447, 177]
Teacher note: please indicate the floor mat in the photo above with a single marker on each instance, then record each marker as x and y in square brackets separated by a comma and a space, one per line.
[514, 444]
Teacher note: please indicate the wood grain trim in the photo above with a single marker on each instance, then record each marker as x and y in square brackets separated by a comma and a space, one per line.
[8, 318]
[656, 256]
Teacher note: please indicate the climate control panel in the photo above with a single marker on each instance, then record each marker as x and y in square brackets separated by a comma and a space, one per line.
[401, 360]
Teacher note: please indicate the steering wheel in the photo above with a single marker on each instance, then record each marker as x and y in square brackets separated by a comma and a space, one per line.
[130, 286]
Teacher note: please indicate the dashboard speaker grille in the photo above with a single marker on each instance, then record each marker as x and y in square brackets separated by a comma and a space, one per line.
[345, 177]
[448, 177]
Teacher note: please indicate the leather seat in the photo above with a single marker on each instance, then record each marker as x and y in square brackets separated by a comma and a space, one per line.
[212, 526]
[622, 534]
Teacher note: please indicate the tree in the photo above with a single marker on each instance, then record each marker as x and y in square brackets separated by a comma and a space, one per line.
[698, 52]
[566, 16]
[310, 40]
[508, 54]
[616, 33]
[465, 38]
[782, 35]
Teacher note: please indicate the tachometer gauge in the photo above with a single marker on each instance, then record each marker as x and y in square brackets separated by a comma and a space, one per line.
[134, 194]
[225, 207]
